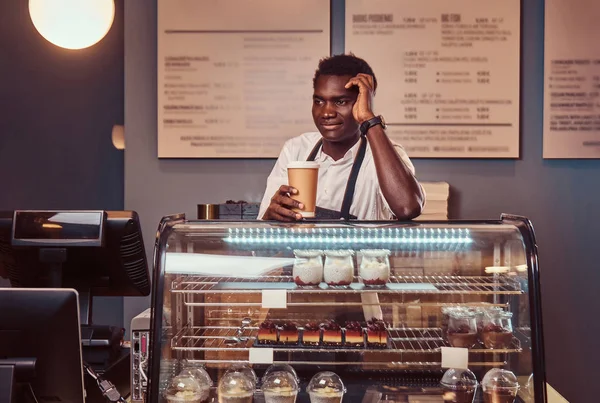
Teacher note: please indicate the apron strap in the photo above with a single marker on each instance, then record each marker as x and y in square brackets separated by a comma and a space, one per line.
[351, 185]
[349, 193]
[315, 150]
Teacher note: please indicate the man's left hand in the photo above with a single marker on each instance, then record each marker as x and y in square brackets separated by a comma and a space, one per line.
[362, 107]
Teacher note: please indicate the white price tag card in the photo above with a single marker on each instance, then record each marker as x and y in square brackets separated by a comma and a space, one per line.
[261, 356]
[274, 299]
[453, 357]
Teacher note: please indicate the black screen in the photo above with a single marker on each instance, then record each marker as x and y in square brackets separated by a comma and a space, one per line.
[58, 225]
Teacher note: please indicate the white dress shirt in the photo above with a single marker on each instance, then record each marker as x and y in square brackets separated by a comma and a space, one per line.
[368, 202]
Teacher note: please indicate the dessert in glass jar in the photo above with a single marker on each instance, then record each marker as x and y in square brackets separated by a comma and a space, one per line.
[280, 387]
[446, 310]
[374, 267]
[308, 267]
[326, 387]
[236, 387]
[311, 334]
[481, 312]
[462, 329]
[497, 331]
[339, 267]
[499, 386]
[354, 335]
[459, 386]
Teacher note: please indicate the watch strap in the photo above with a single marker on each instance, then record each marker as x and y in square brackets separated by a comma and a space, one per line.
[367, 124]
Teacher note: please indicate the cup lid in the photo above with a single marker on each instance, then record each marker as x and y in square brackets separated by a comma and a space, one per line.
[183, 385]
[280, 381]
[375, 252]
[326, 382]
[461, 314]
[499, 379]
[236, 383]
[339, 252]
[308, 252]
[244, 369]
[459, 379]
[200, 374]
[281, 367]
[303, 164]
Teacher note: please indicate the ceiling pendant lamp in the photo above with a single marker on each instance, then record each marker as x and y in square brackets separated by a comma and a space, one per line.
[72, 24]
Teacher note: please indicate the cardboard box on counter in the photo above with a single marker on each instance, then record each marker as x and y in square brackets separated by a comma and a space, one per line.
[230, 210]
[250, 211]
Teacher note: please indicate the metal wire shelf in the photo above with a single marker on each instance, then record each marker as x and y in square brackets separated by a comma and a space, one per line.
[401, 340]
[479, 285]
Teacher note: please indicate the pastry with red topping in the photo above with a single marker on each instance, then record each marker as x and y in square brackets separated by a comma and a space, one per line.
[332, 334]
[354, 335]
[288, 333]
[311, 335]
[376, 333]
[267, 333]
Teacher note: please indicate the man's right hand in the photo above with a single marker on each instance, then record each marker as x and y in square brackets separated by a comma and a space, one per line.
[281, 205]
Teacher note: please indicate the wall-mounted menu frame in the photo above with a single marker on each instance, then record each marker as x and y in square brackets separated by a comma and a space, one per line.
[448, 73]
[235, 77]
[571, 79]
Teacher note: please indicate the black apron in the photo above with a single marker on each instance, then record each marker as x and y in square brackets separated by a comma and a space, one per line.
[327, 214]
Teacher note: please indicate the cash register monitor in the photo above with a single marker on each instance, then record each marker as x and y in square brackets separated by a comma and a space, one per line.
[40, 352]
[98, 253]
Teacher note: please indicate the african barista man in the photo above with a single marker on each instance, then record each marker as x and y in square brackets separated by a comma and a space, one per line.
[363, 174]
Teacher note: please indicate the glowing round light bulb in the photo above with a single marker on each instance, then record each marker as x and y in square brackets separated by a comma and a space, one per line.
[72, 24]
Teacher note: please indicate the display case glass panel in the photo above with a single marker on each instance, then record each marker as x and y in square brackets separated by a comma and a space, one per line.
[388, 307]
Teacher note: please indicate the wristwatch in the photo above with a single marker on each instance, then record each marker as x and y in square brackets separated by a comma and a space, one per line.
[367, 124]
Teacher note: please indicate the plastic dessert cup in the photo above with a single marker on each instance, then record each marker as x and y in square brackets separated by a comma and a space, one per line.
[326, 387]
[459, 386]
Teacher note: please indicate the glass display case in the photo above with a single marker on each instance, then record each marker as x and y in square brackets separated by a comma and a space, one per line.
[356, 311]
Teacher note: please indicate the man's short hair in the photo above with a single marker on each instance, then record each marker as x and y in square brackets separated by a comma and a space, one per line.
[343, 65]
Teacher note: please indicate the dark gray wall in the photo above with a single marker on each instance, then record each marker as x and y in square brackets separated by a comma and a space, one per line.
[561, 197]
[57, 109]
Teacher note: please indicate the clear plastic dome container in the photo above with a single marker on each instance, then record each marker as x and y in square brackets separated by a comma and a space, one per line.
[374, 267]
[201, 376]
[308, 267]
[185, 388]
[459, 385]
[529, 394]
[280, 387]
[326, 387]
[339, 267]
[281, 367]
[530, 384]
[236, 387]
[246, 370]
[499, 386]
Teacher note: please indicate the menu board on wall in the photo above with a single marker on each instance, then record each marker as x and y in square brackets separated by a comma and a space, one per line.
[448, 73]
[572, 79]
[235, 77]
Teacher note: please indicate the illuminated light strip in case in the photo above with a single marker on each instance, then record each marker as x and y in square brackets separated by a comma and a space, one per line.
[349, 235]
